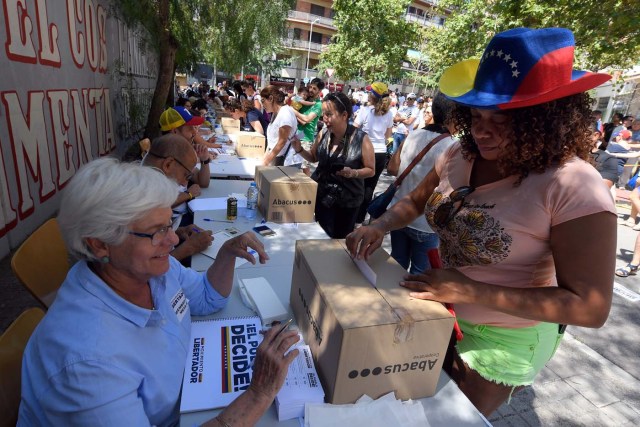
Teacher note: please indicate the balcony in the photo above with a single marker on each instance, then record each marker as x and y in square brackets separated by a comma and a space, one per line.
[309, 18]
[424, 20]
[303, 45]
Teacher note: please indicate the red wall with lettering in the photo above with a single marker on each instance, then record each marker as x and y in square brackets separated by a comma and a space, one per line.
[65, 92]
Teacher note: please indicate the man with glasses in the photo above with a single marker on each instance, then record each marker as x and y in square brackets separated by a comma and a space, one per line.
[173, 156]
[179, 121]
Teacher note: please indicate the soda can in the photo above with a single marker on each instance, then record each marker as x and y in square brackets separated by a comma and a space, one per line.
[232, 208]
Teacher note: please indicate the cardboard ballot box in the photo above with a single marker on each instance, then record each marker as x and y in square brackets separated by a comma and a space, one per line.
[365, 339]
[285, 194]
[250, 144]
[229, 125]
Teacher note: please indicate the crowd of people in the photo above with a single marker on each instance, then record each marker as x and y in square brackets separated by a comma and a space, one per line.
[494, 169]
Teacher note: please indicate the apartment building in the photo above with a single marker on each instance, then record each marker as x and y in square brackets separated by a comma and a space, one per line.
[310, 28]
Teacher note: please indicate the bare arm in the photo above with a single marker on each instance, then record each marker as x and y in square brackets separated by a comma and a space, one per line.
[584, 252]
[312, 154]
[368, 160]
[304, 119]
[394, 163]
[365, 240]
[283, 136]
[257, 126]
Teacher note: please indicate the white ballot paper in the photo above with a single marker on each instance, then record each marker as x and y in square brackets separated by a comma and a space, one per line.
[384, 412]
[208, 204]
[366, 270]
[301, 386]
[219, 237]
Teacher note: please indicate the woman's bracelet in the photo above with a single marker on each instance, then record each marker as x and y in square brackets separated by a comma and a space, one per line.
[356, 173]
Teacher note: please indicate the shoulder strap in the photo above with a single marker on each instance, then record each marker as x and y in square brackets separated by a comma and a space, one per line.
[419, 157]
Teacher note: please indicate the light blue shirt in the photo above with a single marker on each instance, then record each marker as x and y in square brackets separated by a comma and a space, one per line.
[98, 360]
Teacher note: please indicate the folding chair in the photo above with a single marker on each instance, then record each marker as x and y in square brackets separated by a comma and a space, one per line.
[41, 263]
[12, 344]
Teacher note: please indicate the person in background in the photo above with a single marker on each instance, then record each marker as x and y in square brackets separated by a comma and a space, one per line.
[178, 120]
[249, 88]
[308, 116]
[614, 125]
[621, 147]
[183, 102]
[419, 124]
[281, 130]
[111, 350]
[404, 119]
[635, 130]
[238, 92]
[631, 269]
[173, 155]
[605, 163]
[345, 158]
[376, 120]
[248, 115]
[525, 249]
[597, 122]
[409, 245]
[214, 100]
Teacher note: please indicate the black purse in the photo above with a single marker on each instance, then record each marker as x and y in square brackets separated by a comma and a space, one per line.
[379, 204]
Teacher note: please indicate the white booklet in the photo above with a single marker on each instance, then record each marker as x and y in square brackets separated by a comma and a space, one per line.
[301, 386]
[219, 364]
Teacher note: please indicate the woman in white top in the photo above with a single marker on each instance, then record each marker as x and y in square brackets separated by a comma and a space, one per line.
[409, 245]
[280, 131]
[376, 120]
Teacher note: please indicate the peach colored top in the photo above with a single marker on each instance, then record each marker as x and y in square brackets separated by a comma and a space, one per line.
[501, 235]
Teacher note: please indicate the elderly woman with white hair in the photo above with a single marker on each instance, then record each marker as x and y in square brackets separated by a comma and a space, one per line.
[111, 349]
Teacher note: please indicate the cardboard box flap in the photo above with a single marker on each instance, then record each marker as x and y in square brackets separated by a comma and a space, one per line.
[389, 274]
[341, 282]
[355, 302]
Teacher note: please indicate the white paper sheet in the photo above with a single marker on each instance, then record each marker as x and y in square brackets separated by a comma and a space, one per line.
[208, 204]
[366, 270]
[219, 237]
[384, 412]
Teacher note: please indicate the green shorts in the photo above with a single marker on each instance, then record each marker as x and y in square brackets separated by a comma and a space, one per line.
[509, 356]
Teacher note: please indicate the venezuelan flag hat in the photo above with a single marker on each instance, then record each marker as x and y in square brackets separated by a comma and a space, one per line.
[519, 68]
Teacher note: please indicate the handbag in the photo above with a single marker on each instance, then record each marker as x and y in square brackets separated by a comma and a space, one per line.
[379, 204]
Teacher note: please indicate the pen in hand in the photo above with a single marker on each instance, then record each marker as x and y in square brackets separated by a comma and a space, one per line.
[286, 325]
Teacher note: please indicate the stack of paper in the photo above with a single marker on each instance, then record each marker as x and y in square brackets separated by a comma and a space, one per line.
[301, 387]
[386, 411]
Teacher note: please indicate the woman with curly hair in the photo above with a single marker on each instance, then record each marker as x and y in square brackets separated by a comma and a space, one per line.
[527, 227]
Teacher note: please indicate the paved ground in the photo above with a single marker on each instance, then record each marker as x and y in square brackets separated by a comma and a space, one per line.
[593, 380]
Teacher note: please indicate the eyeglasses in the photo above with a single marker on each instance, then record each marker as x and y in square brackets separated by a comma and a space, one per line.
[446, 211]
[332, 97]
[189, 176]
[157, 236]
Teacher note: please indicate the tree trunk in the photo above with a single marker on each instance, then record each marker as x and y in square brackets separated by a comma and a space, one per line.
[166, 65]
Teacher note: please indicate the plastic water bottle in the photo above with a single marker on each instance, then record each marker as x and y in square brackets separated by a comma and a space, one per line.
[252, 201]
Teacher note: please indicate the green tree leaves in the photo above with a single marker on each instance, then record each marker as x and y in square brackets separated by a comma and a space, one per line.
[372, 39]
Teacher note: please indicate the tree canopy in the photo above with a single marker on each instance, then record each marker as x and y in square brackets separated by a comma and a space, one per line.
[606, 31]
[231, 33]
[371, 41]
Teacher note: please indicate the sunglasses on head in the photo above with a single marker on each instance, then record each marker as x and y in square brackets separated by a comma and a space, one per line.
[448, 210]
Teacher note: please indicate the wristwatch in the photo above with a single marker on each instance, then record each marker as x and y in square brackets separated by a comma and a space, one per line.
[205, 162]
